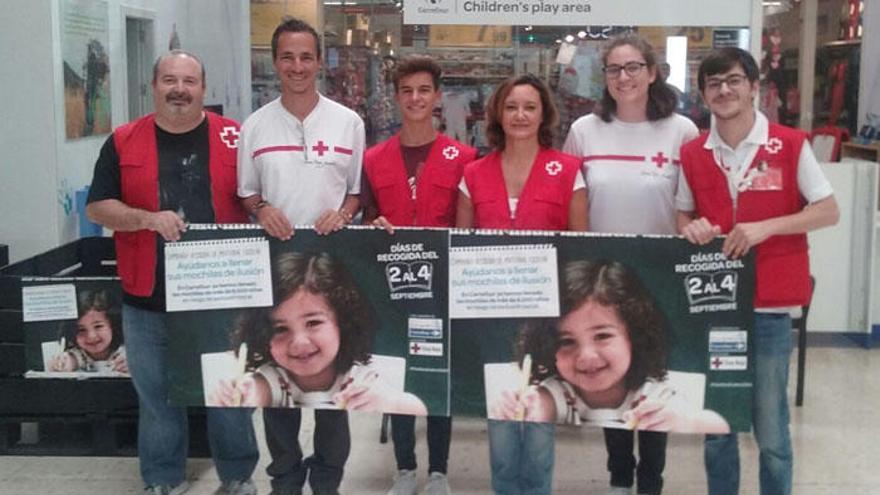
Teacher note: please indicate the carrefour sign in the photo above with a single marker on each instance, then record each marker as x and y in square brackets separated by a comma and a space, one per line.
[580, 12]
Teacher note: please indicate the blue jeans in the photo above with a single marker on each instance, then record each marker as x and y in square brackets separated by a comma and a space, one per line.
[522, 456]
[772, 341]
[162, 429]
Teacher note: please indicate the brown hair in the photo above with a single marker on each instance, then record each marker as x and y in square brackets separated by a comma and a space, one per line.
[495, 110]
[661, 98]
[609, 283]
[414, 65]
[322, 275]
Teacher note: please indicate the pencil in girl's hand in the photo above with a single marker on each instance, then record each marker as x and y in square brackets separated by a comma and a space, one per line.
[657, 393]
[360, 377]
[241, 364]
[526, 377]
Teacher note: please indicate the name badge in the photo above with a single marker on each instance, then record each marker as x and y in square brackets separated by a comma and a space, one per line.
[765, 178]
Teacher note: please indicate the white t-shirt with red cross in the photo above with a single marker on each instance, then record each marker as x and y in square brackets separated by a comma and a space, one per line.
[632, 171]
[302, 167]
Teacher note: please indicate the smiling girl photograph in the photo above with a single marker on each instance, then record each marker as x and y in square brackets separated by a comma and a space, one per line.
[603, 361]
[313, 347]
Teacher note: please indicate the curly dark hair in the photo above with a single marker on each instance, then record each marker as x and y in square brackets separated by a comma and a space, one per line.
[495, 111]
[609, 283]
[101, 300]
[319, 274]
[661, 99]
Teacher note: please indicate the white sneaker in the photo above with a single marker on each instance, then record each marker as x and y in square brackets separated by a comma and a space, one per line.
[404, 483]
[246, 487]
[178, 489]
[437, 484]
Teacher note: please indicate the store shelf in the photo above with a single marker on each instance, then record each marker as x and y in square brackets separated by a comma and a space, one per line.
[842, 43]
[870, 152]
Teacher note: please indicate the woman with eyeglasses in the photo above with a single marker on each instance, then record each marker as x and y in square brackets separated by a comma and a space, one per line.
[522, 184]
[630, 151]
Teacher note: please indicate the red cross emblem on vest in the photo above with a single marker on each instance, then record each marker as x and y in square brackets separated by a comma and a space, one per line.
[320, 148]
[659, 159]
[553, 167]
[773, 146]
[229, 136]
[450, 152]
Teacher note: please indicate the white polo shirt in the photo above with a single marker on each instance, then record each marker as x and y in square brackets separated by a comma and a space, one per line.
[302, 167]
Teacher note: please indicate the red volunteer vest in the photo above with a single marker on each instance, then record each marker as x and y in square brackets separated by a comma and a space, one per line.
[543, 203]
[782, 262]
[436, 186]
[139, 174]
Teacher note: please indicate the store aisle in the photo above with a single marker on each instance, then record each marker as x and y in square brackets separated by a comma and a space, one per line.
[835, 438]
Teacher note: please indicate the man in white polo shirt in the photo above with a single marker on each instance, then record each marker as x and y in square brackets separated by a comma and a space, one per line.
[300, 164]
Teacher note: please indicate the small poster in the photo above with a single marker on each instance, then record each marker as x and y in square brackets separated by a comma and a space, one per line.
[503, 282]
[73, 328]
[217, 274]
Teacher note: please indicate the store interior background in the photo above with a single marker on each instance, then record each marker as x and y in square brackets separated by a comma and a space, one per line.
[820, 67]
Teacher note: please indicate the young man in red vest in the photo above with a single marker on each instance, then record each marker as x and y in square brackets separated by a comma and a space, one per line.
[412, 180]
[153, 176]
[759, 184]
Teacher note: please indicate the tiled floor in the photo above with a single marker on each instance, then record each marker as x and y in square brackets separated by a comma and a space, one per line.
[836, 440]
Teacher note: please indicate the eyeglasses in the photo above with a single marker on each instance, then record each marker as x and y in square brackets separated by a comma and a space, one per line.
[733, 81]
[632, 69]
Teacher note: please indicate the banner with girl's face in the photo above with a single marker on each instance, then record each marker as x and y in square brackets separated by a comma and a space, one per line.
[626, 332]
[73, 328]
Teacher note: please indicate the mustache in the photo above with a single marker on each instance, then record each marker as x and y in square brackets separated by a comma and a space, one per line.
[178, 96]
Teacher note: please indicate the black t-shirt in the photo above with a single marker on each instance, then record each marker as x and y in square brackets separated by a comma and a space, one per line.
[184, 187]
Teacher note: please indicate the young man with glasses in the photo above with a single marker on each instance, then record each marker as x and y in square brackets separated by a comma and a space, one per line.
[760, 185]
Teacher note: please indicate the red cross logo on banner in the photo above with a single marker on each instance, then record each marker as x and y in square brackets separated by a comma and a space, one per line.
[553, 167]
[415, 348]
[320, 148]
[659, 159]
[716, 363]
[450, 152]
[773, 146]
[229, 136]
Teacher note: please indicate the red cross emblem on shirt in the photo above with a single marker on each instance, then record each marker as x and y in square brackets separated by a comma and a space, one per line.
[659, 159]
[716, 363]
[229, 136]
[320, 148]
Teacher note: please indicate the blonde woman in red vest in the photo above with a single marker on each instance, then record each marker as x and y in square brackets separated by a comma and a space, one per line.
[522, 184]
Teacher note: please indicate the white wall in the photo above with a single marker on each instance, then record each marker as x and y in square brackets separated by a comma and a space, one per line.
[28, 203]
[39, 168]
[219, 32]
